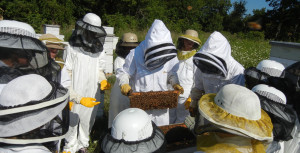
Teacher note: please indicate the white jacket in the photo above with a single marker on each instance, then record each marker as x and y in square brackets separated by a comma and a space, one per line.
[218, 48]
[87, 70]
[141, 78]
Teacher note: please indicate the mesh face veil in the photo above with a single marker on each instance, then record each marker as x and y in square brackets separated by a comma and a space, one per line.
[19, 38]
[89, 35]
[133, 131]
[32, 110]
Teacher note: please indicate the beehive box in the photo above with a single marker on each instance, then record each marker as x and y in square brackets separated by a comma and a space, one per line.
[154, 99]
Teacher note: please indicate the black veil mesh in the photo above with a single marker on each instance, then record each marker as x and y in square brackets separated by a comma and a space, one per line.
[88, 37]
[254, 77]
[56, 127]
[155, 143]
[283, 118]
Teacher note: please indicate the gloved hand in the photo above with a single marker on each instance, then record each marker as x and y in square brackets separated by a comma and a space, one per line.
[125, 89]
[190, 122]
[88, 102]
[187, 103]
[70, 105]
[105, 85]
[178, 87]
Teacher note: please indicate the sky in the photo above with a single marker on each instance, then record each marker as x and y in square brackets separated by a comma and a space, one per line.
[254, 4]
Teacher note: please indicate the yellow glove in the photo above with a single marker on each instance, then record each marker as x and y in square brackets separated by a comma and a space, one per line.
[70, 105]
[187, 103]
[125, 89]
[105, 85]
[178, 87]
[88, 102]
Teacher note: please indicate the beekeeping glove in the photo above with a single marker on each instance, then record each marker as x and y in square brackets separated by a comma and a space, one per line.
[190, 123]
[187, 103]
[178, 87]
[105, 85]
[88, 102]
[70, 105]
[125, 89]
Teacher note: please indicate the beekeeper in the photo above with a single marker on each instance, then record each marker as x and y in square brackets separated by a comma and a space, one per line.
[55, 45]
[20, 52]
[187, 45]
[30, 107]
[216, 67]
[151, 66]
[85, 64]
[118, 101]
[284, 119]
[133, 131]
[264, 70]
[236, 122]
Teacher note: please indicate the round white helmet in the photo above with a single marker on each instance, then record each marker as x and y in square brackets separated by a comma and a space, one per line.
[132, 124]
[270, 67]
[17, 28]
[92, 19]
[270, 92]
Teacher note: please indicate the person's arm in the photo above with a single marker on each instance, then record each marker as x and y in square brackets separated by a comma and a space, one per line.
[102, 63]
[124, 73]
[197, 89]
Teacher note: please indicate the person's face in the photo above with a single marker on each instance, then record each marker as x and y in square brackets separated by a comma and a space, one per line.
[53, 52]
[23, 61]
[188, 45]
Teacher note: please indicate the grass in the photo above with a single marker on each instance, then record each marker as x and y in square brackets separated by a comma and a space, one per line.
[246, 52]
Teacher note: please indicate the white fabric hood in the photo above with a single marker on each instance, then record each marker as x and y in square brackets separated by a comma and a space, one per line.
[217, 52]
[158, 47]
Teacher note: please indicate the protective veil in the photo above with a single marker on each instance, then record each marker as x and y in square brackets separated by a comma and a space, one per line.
[20, 38]
[85, 64]
[32, 117]
[216, 66]
[133, 131]
[152, 66]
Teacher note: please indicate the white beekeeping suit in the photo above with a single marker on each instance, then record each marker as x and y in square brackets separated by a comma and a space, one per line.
[118, 101]
[85, 63]
[151, 66]
[187, 45]
[216, 67]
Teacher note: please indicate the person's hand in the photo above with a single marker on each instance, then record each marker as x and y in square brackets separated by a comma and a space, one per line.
[125, 89]
[187, 103]
[178, 88]
[70, 105]
[88, 102]
[104, 85]
[190, 122]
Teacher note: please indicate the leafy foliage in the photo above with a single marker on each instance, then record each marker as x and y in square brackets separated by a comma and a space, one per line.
[281, 23]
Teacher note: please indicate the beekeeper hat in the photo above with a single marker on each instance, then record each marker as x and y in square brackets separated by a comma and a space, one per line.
[237, 110]
[92, 19]
[133, 131]
[132, 125]
[28, 102]
[270, 67]
[270, 93]
[24, 36]
[129, 39]
[191, 35]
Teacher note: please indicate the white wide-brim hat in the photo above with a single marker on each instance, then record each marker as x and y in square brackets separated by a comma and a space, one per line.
[29, 102]
[237, 110]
